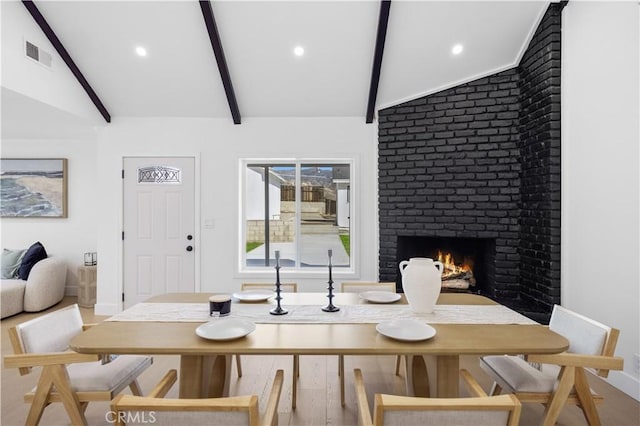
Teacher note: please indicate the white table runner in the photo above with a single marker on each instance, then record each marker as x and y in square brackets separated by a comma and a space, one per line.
[311, 314]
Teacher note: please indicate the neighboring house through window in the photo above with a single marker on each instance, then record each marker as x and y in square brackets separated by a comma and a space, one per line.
[302, 209]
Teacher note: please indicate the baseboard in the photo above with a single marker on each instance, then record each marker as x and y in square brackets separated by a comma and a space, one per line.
[106, 309]
[626, 383]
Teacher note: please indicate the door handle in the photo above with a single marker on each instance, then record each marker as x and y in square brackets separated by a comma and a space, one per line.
[189, 248]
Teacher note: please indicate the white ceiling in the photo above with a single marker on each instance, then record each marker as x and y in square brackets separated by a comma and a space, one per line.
[180, 78]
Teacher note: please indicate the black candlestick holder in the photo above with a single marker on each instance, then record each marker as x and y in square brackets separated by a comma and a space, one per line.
[278, 310]
[330, 307]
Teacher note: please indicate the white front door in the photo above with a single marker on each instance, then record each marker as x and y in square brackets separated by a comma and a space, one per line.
[159, 239]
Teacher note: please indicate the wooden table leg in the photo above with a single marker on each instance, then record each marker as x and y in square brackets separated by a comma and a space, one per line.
[420, 372]
[448, 369]
[203, 376]
[417, 375]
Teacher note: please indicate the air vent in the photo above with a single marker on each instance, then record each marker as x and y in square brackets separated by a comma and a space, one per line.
[32, 51]
[38, 54]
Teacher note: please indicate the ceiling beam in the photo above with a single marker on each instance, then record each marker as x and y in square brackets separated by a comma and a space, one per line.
[383, 21]
[57, 44]
[214, 37]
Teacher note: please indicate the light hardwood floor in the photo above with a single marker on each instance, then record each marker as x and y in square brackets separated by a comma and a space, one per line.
[318, 390]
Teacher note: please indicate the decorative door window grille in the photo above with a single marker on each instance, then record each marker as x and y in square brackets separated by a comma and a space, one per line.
[159, 174]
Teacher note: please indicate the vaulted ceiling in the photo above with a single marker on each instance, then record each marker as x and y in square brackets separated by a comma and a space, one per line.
[179, 76]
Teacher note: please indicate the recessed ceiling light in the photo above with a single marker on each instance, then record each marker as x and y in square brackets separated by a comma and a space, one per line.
[141, 51]
[457, 49]
[298, 50]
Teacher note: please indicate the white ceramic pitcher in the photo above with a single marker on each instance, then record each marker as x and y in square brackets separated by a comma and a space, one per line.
[421, 283]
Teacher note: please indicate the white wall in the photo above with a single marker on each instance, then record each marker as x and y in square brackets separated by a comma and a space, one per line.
[55, 86]
[30, 92]
[68, 238]
[219, 145]
[600, 171]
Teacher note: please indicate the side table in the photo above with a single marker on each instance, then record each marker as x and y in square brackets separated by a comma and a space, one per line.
[87, 282]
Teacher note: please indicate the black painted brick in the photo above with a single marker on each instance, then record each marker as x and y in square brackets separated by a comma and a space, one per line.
[482, 160]
[540, 190]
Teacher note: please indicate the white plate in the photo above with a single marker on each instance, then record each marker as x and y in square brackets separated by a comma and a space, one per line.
[374, 296]
[225, 329]
[406, 329]
[257, 295]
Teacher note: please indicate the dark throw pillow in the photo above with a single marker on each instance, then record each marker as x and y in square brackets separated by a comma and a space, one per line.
[34, 254]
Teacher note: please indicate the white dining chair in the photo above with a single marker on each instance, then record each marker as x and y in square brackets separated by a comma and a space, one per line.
[229, 411]
[68, 377]
[362, 286]
[359, 287]
[480, 409]
[285, 288]
[559, 379]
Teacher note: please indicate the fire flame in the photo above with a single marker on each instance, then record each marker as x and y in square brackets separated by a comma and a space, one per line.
[450, 267]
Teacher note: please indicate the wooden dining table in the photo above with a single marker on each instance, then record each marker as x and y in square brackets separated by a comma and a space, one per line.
[205, 364]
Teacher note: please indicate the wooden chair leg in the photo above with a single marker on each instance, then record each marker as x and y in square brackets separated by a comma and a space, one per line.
[294, 385]
[559, 396]
[45, 383]
[238, 366]
[341, 374]
[135, 388]
[119, 421]
[586, 399]
[69, 397]
[398, 361]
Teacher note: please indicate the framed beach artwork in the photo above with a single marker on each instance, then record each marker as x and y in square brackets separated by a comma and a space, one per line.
[33, 187]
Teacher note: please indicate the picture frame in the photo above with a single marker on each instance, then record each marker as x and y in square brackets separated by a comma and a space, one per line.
[33, 187]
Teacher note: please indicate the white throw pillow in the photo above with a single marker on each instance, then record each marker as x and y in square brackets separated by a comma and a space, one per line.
[11, 261]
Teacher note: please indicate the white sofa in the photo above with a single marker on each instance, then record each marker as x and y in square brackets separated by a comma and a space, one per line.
[43, 288]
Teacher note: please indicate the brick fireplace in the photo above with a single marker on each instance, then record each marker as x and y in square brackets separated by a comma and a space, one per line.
[478, 166]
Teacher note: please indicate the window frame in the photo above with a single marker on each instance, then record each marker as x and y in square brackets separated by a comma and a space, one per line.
[311, 272]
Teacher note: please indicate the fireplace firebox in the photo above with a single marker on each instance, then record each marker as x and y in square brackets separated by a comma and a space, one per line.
[468, 262]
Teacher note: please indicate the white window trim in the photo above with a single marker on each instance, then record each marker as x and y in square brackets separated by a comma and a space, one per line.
[310, 272]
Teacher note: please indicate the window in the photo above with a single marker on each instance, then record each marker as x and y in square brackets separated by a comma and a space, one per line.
[159, 174]
[302, 209]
